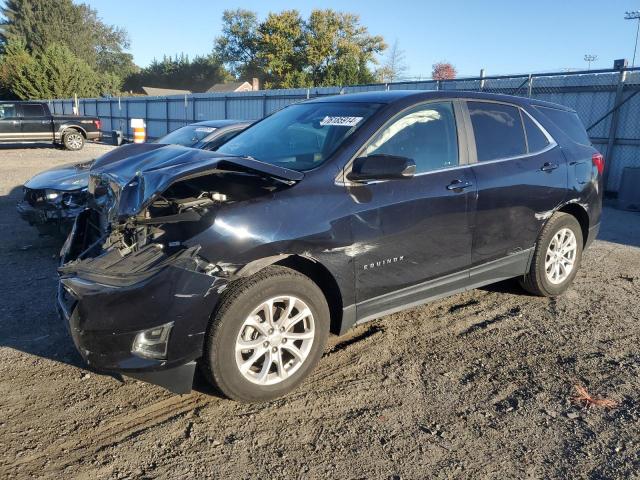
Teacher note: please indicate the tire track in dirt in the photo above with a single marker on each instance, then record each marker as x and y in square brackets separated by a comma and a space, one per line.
[62, 454]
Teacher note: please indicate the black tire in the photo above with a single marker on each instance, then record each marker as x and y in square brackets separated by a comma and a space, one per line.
[536, 281]
[73, 140]
[218, 362]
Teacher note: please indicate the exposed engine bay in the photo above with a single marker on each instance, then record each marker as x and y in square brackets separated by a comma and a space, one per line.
[183, 209]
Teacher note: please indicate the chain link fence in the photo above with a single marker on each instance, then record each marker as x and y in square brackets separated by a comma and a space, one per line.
[607, 101]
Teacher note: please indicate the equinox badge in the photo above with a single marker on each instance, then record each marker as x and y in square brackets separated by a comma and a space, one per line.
[381, 263]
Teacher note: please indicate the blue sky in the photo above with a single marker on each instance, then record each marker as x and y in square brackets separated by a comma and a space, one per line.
[500, 36]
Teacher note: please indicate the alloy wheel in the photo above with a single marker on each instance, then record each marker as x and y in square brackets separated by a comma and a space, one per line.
[275, 340]
[561, 256]
[74, 141]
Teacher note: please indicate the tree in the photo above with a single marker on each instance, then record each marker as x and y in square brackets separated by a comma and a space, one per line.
[12, 62]
[394, 66]
[180, 73]
[280, 50]
[39, 23]
[443, 71]
[329, 48]
[54, 73]
[237, 47]
[339, 49]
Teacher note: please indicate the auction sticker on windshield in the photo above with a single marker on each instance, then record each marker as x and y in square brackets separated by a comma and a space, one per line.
[205, 129]
[340, 121]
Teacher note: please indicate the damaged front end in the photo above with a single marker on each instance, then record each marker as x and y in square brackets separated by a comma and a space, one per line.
[52, 199]
[136, 295]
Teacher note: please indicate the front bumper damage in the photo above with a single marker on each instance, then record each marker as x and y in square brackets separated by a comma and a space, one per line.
[130, 268]
[106, 301]
[48, 219]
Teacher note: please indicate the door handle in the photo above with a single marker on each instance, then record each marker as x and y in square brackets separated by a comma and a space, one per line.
[45, 122]
[15, 122]
[548, 167]
[458, 185]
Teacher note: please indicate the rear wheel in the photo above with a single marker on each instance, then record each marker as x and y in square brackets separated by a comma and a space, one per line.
[73, 140]
[266, 336]
[557, 257]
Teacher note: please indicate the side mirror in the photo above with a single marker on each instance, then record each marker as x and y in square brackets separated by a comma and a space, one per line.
[381, 167]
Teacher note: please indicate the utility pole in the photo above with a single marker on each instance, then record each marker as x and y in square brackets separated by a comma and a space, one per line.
[590, 58]
[634, 16]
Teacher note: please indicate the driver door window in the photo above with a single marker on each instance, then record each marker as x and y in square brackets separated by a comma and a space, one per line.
[426, 134]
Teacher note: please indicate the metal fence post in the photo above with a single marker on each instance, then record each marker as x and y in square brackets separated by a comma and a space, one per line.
[126, 117]
[186, 107]
[166, 115]
[530, 86]
[146, 115]
[225, 107]
[613, 127]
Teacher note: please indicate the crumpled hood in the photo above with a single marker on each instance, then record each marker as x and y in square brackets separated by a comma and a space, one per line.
[132, 175]
[64, 178]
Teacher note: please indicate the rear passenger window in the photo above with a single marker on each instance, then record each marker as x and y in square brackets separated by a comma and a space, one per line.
[536, 140]
[497, 129]
[32, 110]
[426, 134]
[569, 123]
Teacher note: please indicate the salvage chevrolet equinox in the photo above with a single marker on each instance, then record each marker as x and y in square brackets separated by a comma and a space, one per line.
[326, 214]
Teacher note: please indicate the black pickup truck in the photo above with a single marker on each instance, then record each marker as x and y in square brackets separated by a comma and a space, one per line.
[33, 122]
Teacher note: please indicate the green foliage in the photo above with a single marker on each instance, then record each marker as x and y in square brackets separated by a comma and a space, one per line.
[281, 50]
[237, 47]
[180, 72]
[41, 28]
[284, 51]
[339, 49]
[54, 73]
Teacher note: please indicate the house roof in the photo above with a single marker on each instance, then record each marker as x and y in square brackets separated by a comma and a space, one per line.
[163, 92]
[228, 87]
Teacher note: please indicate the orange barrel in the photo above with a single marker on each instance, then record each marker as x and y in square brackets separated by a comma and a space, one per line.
[139, 134]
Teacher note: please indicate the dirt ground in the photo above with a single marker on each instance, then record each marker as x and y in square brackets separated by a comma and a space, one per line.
[478, 385]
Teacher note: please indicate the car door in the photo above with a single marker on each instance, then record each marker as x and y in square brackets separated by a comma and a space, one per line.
[409, 234]
[9, 123]
[35, 124]
[521, 176]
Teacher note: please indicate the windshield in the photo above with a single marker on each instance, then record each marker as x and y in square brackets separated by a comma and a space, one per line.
[302, 136]
[189, 136]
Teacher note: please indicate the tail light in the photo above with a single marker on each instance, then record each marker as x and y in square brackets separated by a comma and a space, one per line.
[598, 161]
[98, 124]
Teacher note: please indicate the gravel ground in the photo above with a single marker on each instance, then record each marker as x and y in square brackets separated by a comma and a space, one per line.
[478, 385]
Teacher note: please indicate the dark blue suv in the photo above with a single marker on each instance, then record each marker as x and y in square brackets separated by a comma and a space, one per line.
[328, 213]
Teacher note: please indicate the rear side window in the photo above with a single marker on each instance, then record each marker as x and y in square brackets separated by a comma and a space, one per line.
[569, 123]
[497, 129]
[30, 110]
[536, 140]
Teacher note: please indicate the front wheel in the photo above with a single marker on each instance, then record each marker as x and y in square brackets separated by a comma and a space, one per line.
[73, 140]
[267, 334]
[556, 258]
